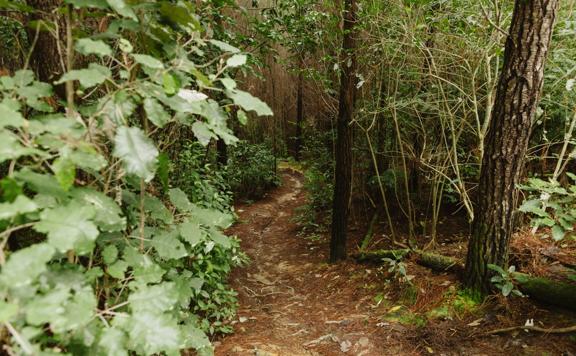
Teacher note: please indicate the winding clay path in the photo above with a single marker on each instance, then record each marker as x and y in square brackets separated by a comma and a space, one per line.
[291, 301]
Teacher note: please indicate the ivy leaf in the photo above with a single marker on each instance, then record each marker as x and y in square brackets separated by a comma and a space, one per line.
[137, 151]
[148, 61]
[168, 246]
[69, 227]
[21, 205]
[25, 265]
[249, 103]
[123, 9]
[88, 46]
[95, 74]
[10, 117]
[236, 60]
[156, 113]
[191, 232]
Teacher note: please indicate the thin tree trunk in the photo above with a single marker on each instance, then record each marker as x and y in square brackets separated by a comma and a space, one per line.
[299, 116]
[517, 97]
[343, 172]
[48, 57]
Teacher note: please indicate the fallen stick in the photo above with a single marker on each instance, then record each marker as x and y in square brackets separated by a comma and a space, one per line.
[566, 330]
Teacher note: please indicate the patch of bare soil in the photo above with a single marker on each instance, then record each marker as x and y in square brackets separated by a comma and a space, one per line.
[293, 303]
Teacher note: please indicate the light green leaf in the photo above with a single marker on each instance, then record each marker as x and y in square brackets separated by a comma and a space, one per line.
[191, 232]
[65, 172]
[113, 342]
[224, 46]
[69, 227]
[203, 133]
[157, 209]
[558, 233]
[152, 333]
[236, 60]
[155, 112]
[7, 311]
[220, 239]
[155, 299]
[168, 246]
[122, 8]
[110, 254]
[118, 269]
[21, 205]
[41, 183]
[249, 103]
[99, 4]
[180, 200]
[25, 265]
[88, 46]
[95, 74]
[137, 151]
[10, 117]
[108, 214]
[10, 147]
[148, 61]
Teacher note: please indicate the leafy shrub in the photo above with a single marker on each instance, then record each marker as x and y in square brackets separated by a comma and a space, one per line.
[551, 205]
[252, 170]
[92, 260]
[205, 183]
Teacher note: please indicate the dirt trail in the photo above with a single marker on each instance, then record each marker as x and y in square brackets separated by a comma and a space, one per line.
[291, 301]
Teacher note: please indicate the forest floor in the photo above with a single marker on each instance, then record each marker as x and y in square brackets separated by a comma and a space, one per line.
[291, 302]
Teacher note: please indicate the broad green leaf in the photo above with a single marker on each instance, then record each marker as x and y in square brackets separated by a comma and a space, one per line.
[168, 246]
[152, 333]
[108, 214]
[191, 232]
[157, 209]
[220, 239]
[203, 133]
[25, 265]
[95, 74]
[110, 254]
[7, 311]
[137, 151]
[180, 200]
[148, 61]
[41, 183]
[163, 170]
[69, 227]
[113, 342]
[507, 288]
[118, 269]
[170, 84]
[236, 60]
[10, 147]
[558, 233]
[249, 103]
[10, 117]
[224, 46]
[155, 299]
[122, 8]
[533, 206]
[21, 205]
[155, 112]
[197, 339]
[65, 172]
[88, 46]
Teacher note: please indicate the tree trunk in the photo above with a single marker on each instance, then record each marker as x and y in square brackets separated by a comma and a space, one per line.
[46, 61]
[299, 115]
[343, 172]
[516, 101]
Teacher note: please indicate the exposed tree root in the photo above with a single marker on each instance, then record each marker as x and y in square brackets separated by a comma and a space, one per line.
[566, 330]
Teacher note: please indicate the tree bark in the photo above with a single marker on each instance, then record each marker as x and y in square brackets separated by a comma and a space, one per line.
[517, 97]
[343, 171]
[46, 61]
[299, 115]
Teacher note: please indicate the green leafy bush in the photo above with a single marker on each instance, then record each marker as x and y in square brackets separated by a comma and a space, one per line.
[252, 170]
[551, 205]
[93, 260]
